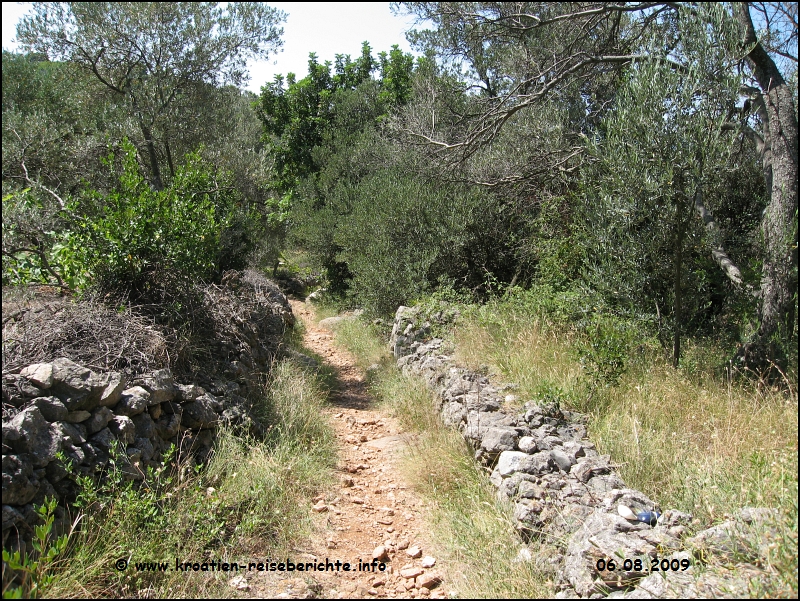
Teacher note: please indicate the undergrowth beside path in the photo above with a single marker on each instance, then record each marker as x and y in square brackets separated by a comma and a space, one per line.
[699, 439]
[250, 500]
[472, 528]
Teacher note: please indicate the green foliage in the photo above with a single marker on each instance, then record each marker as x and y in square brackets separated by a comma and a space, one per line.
[604, 351]
[662, 147]
[35, 569]
[402, 237]
[396, 71]
[554, 247]
[156, 59]
[128, 239]
[298, 116]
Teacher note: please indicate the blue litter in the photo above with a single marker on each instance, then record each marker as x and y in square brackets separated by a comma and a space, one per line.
[649, 517]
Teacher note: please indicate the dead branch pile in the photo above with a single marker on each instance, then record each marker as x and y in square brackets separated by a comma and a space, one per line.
[40, 327]
[227, 329]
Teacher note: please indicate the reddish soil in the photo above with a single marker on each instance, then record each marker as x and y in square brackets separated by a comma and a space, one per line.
[371, 506]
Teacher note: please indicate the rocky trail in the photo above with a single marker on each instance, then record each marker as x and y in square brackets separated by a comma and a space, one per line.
[371, 513]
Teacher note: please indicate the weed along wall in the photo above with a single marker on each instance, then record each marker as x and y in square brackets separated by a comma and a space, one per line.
[610, 539]
[62, 420]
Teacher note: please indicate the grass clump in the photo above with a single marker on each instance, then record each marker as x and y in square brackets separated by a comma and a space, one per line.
[249, 500]
[364, 341]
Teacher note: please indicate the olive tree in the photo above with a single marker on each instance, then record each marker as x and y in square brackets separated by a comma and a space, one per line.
[666, 127]
[155, 55]
[544, 50]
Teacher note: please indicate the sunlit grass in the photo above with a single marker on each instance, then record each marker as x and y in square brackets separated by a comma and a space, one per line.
[698, 439]
[250, 500]
[473, 531]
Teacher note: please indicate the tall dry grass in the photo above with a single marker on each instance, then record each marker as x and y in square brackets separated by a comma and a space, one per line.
[251, 500]
[701, 439]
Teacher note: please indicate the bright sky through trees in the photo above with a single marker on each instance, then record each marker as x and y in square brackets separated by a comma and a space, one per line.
[322, 27]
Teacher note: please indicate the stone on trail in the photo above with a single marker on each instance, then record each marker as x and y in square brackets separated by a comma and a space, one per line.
[239, 583]
[428, 580]
[412, 572]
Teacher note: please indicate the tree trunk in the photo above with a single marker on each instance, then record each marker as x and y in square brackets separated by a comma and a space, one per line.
[151, 151]
[169, 159]
[779, 224]
[716, 238]
[680, 234]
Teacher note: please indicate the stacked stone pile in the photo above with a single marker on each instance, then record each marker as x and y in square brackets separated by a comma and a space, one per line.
[563, 490]
[65, 408]
[60, 413]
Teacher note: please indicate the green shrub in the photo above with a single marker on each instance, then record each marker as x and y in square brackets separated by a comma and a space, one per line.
[32, 226]
[35, 569]
[604, 353]
[128, 239]
[403, 237]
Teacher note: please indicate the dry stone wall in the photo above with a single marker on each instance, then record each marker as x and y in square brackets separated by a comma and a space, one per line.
[60, 412]
[563, 490]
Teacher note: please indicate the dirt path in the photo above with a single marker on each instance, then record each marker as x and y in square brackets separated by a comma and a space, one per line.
[370, 512]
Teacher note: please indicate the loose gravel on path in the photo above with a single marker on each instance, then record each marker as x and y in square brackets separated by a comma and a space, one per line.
[371, 513]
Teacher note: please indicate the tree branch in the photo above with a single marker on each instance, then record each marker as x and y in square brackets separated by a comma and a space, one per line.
[45, 263]
[721, 258]
[34, 184]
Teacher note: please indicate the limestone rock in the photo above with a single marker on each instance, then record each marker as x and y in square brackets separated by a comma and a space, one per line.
[428, 580]
[160, 385]
[103, 439]
[71, 379]
[41, 374]
[11, 516]
[134, 401]
[30, 433]
[199, 414]
[529, 490]
[453, 414]
[585, 468]
[123, 428]
[53, 410]
[74, 433]
[76, 417]
[145, 426]
[168, 425]
[98, 420]
[146, 447]
[189, 392]
[497, 440]
[113, 384]
[20, 485]
[411, 572]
